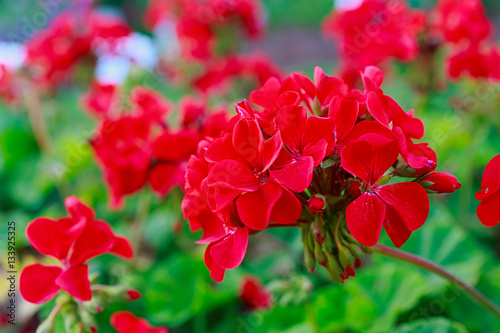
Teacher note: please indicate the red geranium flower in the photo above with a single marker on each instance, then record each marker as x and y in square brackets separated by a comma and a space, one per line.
[73, 240]
[459, 20]
[373, 32]
[488, 211]
[401, 208]
[126, 322]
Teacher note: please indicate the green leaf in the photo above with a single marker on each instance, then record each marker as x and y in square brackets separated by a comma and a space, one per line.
[432, 325]
[448, 245]
[370, 302]
[181, 287]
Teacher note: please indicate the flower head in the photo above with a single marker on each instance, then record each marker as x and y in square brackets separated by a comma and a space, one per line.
[73, 241]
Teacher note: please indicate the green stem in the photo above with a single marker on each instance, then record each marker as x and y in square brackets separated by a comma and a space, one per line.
[37, 121]
[140, 219]
[432, 267]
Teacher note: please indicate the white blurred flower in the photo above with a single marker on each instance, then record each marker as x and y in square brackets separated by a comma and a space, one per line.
[112, 69]
[347, 4]
[12, 55]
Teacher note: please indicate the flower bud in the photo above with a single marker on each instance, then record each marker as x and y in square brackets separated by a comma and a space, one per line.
[133, 294]
[355, 188]
[440, 182]
[317, 204]
[384, 180]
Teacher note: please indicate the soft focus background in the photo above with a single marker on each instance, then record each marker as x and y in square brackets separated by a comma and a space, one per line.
[385, 296]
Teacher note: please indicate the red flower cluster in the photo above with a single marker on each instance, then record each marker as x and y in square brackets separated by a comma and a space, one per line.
[73, 241]
[218, 74]
[126, 322]
[375, 31]
[53, 52]
[488, 211]
[463, 25]
[138, 147]
[198, 22]
[312, 140]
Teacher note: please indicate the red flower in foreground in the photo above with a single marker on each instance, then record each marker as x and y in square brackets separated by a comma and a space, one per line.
[73, 240]
[488, 210]
[284, 166]
[126, 322]
[254, 294]
[401, 208]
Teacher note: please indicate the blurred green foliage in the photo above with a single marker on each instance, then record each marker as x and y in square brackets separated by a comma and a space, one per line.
[385, 296]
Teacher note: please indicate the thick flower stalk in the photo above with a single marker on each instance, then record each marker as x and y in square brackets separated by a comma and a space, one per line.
[339, 163]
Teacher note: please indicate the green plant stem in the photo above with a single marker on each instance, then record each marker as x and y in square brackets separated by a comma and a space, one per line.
[434, 268]
[139, 221]
[35, 114]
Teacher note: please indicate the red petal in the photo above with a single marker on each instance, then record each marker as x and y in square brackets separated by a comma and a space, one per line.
[367, 162]
[344, 114]
[287, 209]
[50, 237]
[254, 208]
[413, 160]
[491, 178]
[365, 217]
[297, 175]
[266, 97]
[78, 210]
[317, 151]
[319, 129]
[328, 86]
[410, 200]
[248, 139]
[230, 251]
[216, 272]
[96, 239]
[488, 210]
[270, 151]
[75, 280]
[36, 283]
[126, 322]
[222, 149]
[289, 98]
[233, 175]
[122, 248]
[304, 83]
[411, 126]
[292, 124]
[372, 78]
[395, 227]
[377, 109]
[214, 228]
